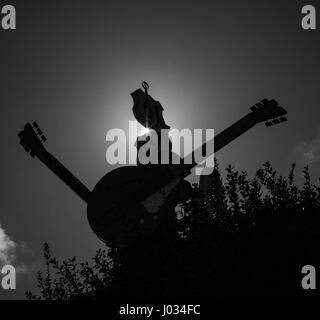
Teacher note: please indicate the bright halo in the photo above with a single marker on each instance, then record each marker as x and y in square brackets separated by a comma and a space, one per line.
[144, 131]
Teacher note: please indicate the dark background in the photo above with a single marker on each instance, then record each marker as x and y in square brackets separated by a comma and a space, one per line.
[71, 65]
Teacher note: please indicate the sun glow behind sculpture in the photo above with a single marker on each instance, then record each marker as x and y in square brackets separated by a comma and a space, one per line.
[144, 131]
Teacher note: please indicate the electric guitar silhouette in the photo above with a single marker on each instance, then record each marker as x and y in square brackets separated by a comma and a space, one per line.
[132, 199]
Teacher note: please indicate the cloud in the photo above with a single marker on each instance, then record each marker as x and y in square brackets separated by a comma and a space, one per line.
[10, 250]
[307, 152]
[312, 150]
[7, 248]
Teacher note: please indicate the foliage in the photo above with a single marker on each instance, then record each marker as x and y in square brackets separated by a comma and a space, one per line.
[246, 237]
[73, 280]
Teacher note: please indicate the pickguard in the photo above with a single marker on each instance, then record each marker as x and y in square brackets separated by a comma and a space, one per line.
[154, 203]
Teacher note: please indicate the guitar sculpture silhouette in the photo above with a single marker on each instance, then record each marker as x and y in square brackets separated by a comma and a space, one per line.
[132, 199]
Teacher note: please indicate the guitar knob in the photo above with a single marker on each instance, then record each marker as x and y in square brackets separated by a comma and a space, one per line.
[141, 221]
[155, 217]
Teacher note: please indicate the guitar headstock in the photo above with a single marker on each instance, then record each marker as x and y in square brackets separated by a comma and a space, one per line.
[268, 111]
[32, 139]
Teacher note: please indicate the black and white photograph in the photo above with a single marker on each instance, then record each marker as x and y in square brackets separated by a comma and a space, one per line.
[157, 155]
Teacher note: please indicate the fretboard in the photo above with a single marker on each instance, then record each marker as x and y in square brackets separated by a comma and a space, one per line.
[220, 140]
[65, 175]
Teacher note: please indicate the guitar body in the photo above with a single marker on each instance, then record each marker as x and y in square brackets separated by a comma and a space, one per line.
[128, 201]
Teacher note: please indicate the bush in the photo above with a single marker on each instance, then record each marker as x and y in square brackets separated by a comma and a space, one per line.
[245, 238]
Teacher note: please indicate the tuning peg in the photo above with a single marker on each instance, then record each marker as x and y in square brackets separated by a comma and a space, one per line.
[268, 124]
[26, 147]
[35, 125]
[275, 121]
[259, 105]
[274, 103]
[283, 119]
[39, 131]
[43, 138]
[254, 108]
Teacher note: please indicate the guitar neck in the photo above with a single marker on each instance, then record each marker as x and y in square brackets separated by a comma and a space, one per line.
[220, 140]
[64, 174]
[232, 132]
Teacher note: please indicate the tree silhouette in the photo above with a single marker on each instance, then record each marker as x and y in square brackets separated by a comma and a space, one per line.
[244, 238]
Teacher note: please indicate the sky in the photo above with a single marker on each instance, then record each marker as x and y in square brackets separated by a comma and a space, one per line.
[71, 66]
